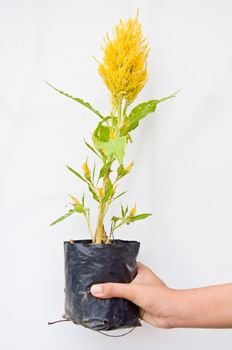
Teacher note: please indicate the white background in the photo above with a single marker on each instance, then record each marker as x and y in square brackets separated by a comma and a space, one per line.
[183, 157]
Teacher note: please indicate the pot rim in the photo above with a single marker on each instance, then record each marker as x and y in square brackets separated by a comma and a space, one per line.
[88, 242]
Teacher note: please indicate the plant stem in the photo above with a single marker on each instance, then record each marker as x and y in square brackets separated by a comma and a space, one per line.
[100, 234]
[87, 217]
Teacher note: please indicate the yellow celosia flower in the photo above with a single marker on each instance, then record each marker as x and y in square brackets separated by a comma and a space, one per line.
[124, 67]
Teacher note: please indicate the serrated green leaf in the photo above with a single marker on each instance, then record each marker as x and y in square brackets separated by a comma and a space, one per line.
[70, 212]
[139, 112]
[77, 99]
[115, 147]
[76, 173]
[139, 217]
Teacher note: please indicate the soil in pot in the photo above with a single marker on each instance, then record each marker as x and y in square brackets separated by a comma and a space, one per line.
[87, 264]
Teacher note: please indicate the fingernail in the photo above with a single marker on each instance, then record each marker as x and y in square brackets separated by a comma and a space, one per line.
[96, 289]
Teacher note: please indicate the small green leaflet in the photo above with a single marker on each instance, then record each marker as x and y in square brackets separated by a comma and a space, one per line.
[83, 200]
[79, 208]
[77, 99]
[105, 169]
[109, 190]
[122, 211]
[139, 112]
[70, 212]
[94, 194]
[115, 219]
[102, 132]
[91, 148]
[139, 217]
[115, 147]
[77, 174]
[121, 194]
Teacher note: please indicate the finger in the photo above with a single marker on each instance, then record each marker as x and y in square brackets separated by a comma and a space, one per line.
[146, 276]
[140, 294]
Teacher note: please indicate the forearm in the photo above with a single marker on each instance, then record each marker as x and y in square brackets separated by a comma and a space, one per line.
[207, 307]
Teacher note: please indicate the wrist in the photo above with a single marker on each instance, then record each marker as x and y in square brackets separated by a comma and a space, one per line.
[179, 308]
[167, 308]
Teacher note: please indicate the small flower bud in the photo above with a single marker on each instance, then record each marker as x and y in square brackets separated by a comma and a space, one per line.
[133, 211]
[86, 169]
[129, 167]
[74, 200]
[112, 134]
[100, 191]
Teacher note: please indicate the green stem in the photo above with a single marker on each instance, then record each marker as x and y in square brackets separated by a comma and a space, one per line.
[87, 217]
[100, 235]
[124, 109]
[120, 119]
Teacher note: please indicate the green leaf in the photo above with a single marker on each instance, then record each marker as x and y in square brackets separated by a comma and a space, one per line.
[121, 194]
[104, 169]
[102, 132]
[91, 148]
[70, 212]
[122, 211]
[77, 99]
[108, 191]
[93, 174]
[121, 171]
[126, 211]
[139, 217]
[115, 219]
[139, 112]
[115, 147]
[77, 174]
[94, 194]
[83, 200]
[114, 120]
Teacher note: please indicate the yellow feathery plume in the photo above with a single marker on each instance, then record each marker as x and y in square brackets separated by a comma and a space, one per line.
[124, 66]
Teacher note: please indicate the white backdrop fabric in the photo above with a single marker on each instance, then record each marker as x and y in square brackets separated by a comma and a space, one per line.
[182, 153]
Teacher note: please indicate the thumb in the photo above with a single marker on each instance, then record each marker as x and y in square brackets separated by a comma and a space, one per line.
[139, 294]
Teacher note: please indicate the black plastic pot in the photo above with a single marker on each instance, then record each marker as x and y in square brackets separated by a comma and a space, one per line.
[87, 264]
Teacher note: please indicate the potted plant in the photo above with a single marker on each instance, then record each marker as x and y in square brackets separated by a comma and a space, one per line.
[103, 258]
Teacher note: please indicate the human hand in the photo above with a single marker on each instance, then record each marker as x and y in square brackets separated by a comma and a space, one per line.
[147, 291]
[164, 307]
